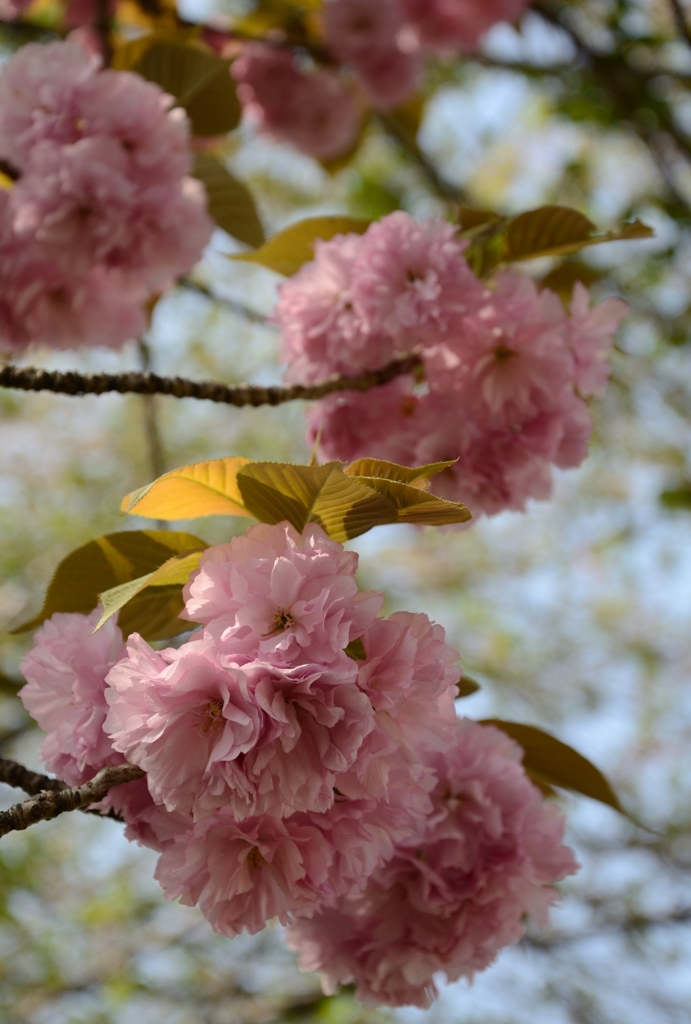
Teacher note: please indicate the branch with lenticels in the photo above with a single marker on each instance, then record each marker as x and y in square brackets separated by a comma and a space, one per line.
[50, 797]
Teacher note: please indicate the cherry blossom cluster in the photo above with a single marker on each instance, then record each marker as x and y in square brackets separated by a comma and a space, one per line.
[506, 375]
[304, 762]
[103, 215]
[383, 44]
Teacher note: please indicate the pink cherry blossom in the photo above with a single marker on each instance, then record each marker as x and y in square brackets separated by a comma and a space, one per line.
[590, 337]
[243, 874]
[146, 822]
[310, 109]
[448, 25]
[453, 895]
[291, 597]
[65, 692]
[321, 330]
[373, 39]
[256, 739]
[409, 679]
[40, 91]
[390, 76]
[42, 304]
[82, 208]
[411, 280]
[505, 366]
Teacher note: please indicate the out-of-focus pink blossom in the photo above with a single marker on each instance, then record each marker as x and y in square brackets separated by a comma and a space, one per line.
[372, 38]
[449, 25]
[10, 9]
[455, 894]
[243, 874]
[65, 692]
[590, 335]
[390, 76]
[289, 597]
[256, 739]
[40, 91]
[82, 208]
[310, 109]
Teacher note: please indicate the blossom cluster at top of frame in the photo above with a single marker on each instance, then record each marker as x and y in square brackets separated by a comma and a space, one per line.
[286, 778]
[383, 43]
[506, 369]
[103, 215]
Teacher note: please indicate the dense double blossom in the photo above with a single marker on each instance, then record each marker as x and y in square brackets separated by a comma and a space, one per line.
[453, 894]
[104, 215]
[506, 368]
[289, 778]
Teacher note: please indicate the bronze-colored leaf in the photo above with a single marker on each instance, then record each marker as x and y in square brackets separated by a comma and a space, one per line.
[151, 604]
[230, 202]
[417, 476]
[104, 563]
[549, 230]
[553, 763]
[287, 251]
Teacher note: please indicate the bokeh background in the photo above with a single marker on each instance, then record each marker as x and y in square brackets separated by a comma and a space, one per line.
[575, 616]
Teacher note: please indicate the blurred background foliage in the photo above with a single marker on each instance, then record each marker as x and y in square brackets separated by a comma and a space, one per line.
[575, 616]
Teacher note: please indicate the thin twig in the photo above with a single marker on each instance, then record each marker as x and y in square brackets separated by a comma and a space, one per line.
[680, 20]
[191, 285]
[31, 378]
[440, 185]
[157, 461]
[49, 804]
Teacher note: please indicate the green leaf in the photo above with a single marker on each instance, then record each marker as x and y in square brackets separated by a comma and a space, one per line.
[151, 604]
[467, 686]
[417, 476]
[104, 563]
[559, 231]
[342, 506]
[287, 251]
[200, 82]
[356, 650]
[552, 763]
[677, 497]
[230, 202]
[202, 489]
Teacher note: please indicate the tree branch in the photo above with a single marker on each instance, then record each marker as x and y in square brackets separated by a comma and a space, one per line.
[31, 378]
[680, 20]
[48, 804]
[14, 774]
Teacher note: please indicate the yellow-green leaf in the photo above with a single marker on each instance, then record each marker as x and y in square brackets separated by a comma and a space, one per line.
[417, 476]
[287, 251]
[107, 562]
[342, 506]
[552, 763]
[230, 202]
[559, 231]
[200, 82]
[157, 615]
[202, 489]
[414, 505]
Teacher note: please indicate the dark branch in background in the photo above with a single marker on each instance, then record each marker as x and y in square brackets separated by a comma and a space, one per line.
[680, 21]
[191, 285]
[157, 461]
[408, 143]
[628, 925]
[49, 803]
[30, 378]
